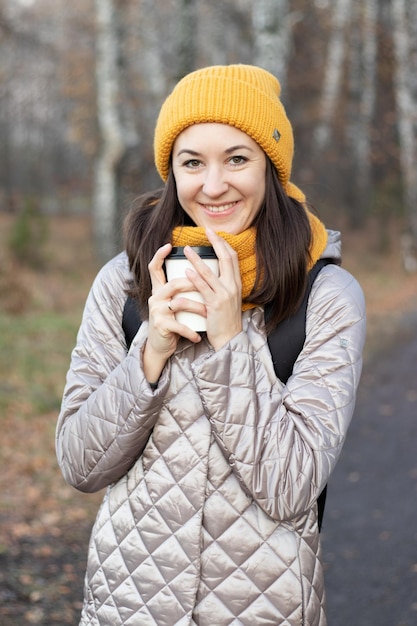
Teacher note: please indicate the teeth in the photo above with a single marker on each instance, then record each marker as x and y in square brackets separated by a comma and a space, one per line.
[219, 209]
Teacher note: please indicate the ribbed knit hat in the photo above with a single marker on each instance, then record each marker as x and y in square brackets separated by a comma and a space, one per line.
[243, 96]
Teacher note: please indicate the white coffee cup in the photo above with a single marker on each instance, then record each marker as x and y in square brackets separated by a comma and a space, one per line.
[175, 265]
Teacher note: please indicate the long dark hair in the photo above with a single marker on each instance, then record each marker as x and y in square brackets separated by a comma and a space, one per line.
[283, 237]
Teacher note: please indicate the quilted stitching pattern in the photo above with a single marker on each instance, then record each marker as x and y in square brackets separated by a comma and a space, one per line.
[209, 515]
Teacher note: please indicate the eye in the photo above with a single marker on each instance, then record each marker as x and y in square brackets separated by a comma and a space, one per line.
[238, 159]
[192, 163]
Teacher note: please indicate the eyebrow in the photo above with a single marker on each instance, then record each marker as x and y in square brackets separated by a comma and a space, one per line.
[228, 151]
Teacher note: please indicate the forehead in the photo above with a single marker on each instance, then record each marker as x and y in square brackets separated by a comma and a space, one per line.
[209, 134]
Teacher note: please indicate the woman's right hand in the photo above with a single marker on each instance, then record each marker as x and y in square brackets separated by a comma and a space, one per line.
[164, 331]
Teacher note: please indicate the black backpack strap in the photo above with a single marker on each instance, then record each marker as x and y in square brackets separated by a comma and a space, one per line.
[287, 339]
[286, 342]
[131, 320]
[321, 503]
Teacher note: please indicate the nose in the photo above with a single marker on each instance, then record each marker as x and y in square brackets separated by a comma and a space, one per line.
[214, 184]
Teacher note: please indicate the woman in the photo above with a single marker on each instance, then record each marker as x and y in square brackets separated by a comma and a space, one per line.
[213, 465]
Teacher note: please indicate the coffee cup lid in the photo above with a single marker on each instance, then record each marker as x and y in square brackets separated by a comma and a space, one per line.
[205, 252]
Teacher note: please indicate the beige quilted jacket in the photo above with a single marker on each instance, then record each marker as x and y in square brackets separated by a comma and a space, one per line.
[209, 517]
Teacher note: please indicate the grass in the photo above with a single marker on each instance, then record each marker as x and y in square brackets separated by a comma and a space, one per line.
[34, 357]
[34, 351]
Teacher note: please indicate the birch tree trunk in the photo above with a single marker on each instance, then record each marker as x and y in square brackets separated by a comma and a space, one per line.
[404, 18]
[362, 96]
[151, 61]
[333, 71]
[272, 27]
[105, 192]
[186, 38]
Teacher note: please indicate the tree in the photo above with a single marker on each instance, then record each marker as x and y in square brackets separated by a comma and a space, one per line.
[152, 65]
[186, 38]
[30, 121]
[336, 52]
[272, 37]
[112, 144]
[363, 51]
[404, 17]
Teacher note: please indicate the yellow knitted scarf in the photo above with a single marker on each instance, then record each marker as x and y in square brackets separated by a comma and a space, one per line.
[244, 245]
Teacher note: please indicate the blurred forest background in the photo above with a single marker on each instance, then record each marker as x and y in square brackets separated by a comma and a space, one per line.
[81, 83]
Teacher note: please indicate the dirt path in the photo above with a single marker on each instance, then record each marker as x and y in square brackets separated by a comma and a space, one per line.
[41, 578]
[370, 530]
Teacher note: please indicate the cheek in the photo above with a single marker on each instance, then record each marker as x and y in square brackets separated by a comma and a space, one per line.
[185, 195]
[184, 187]
[257, 189]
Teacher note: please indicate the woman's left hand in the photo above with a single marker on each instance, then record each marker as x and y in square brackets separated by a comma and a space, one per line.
[222, 294]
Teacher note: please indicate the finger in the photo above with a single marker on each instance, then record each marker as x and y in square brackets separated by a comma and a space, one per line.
[156, 266]
[218, 242]
[164, 329]
[222, 248]
[229, 268]
[161, 303]
[175, 287]
[190, 305]
[209, 284]
[200, 267]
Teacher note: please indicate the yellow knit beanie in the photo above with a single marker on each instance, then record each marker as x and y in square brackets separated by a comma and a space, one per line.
[243, 96]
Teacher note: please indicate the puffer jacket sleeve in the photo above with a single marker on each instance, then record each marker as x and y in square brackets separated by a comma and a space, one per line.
[108, 408]
[283, 441]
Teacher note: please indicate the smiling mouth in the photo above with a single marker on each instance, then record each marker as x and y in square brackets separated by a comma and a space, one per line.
[222, 208]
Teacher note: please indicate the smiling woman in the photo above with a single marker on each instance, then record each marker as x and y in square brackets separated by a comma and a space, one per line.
[220, 176]
[213, 465]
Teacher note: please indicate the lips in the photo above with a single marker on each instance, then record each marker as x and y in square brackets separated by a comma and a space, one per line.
[221, 208]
